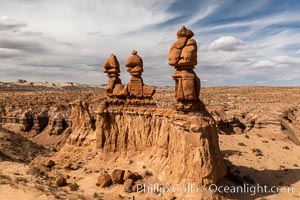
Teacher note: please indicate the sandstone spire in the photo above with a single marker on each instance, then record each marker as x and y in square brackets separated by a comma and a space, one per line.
[136, 88]
[183, 56]
[112, 68]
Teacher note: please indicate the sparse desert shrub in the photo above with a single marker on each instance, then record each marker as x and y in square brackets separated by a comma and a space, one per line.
[22, 179]
[81, 196]
[247, 136]
[73, 186]
[40, 187]
[227, 153]
[258, 152]
[95, 194]
[148, 173]
[242, 144]
[4, 179]
[286, 147]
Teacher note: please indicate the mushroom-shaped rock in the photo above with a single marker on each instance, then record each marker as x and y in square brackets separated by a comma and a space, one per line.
[111, 65]
[183, 52]
[114, 87]
[134, 64]
[136, 88]
[183, 56]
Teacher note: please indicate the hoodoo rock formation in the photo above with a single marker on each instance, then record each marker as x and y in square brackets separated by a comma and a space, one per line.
[136, 88]
[183, 56]
[135, 92]
[114, 87]
[178, 147]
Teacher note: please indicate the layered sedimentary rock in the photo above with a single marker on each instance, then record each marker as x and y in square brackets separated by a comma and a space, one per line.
[48, 126]
[183, 56]
[83, 125]
[40, 121]
[185, 147]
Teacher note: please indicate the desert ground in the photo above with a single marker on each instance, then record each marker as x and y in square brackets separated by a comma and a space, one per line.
[258, 128]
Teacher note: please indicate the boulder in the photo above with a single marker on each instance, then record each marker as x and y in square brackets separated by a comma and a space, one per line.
[118, 176]
[50, 163]
[104, 180]
[128, 184]
[60, 181]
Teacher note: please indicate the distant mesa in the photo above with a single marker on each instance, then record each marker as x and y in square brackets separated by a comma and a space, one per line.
[21, 81]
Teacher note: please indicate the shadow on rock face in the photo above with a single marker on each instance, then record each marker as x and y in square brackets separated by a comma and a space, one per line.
[14, 147]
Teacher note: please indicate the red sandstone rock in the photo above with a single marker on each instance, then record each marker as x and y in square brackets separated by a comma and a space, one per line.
[184, 51]
[183, 56]
[60, 181]
[128, 184]
[136, 88]
[118, 176]
[186, 144]
[133, 175]
[112, 68]
[50, 163]
[104, 180]
[82, 128]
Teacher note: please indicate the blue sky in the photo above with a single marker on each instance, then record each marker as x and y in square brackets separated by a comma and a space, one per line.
[240, 42]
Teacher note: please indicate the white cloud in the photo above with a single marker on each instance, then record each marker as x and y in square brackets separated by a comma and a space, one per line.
[264, 63]
[202, 13]
[298, 51]
[226, 43]
[3, 18]
[268, 20]
[279, 40]
[59, 35]
[69, 40]
[277, 62]
[9, 53]
[74, 18]
[286, 60]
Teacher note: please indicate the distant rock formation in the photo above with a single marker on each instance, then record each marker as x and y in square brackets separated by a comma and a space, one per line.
[47, 127]
[183, 56]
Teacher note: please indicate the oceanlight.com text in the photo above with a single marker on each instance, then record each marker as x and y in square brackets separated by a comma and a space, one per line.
[192, 188]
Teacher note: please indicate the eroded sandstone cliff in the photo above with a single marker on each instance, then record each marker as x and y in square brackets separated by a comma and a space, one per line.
[182, 148]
